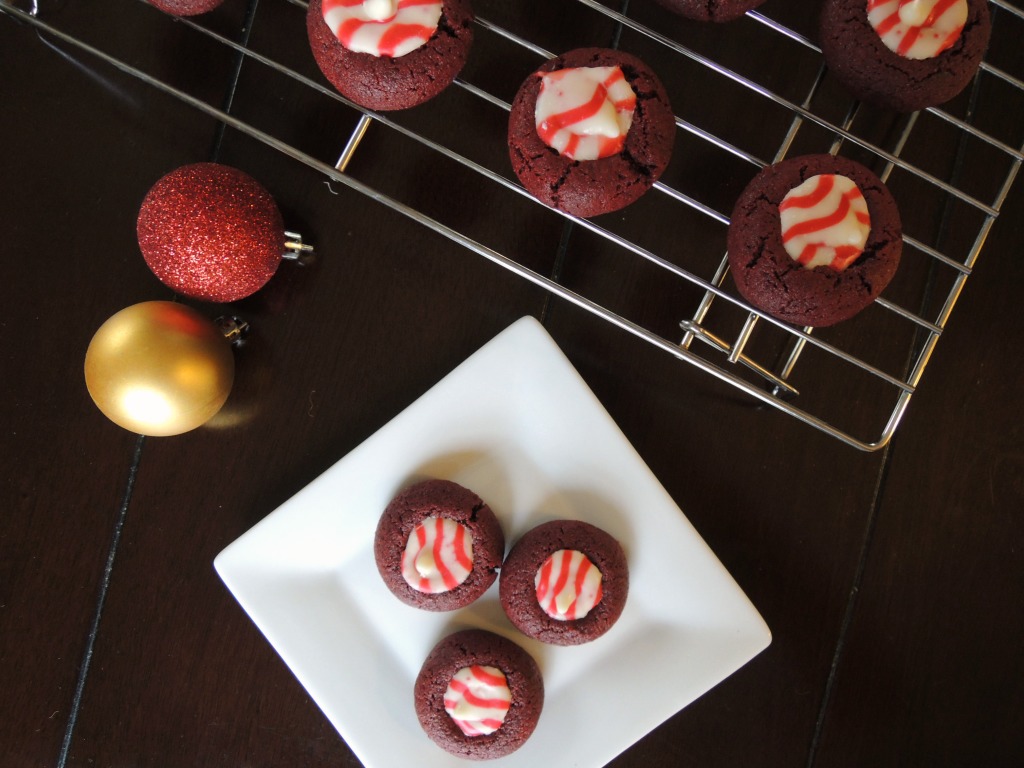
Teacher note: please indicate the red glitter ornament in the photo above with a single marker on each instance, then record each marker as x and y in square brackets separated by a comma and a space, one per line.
[185, 7]
[211, 232]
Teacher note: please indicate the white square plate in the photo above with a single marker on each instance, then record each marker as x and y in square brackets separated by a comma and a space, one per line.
[517, 424]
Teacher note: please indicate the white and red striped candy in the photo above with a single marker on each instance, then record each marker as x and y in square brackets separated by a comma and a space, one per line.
[917, 29]
[584, 113]
[390, 28]
[568, 585]
[477, 699]
[438, 555]
[825, 222]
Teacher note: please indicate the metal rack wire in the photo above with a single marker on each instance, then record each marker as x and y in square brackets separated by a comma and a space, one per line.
[719, 334]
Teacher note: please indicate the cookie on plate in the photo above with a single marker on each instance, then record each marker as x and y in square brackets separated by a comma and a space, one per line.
[904, 55]
[711, 10]
[479, 695]
[814, 239]
[438, 546]
[564, 582]
[590, 131]
[390, 54]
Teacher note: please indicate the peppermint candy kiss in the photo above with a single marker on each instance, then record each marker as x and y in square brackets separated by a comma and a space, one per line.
[918, 29]
[477, 699]
[584, 113]
[438, 555]
[390, 28]
[568, 585]
[825, 222]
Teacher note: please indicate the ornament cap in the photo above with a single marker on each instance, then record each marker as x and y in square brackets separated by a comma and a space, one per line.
[295, 249]
[235, 329]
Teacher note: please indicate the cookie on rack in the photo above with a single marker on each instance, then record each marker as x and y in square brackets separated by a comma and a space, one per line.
[813, 240]
[478, 695]
[904, 55]
[438, 546]
[590, 131]
[564, 582]
[390, 54]
[711, 10]
[185, 7]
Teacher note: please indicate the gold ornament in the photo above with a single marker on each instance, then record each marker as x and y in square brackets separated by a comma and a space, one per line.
[159, 368]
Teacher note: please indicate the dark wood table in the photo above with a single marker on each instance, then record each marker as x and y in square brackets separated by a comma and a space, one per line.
[892, 580]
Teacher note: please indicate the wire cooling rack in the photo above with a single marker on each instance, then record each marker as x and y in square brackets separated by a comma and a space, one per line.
[773, 78]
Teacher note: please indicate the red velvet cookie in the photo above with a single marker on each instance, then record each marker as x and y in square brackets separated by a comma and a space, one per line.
[479, 695]
[564, 582]
[185, 7]
[711, 10]
[775, 281]
[856, 53]
[389, 82]
[438, 546]
[588, 187]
